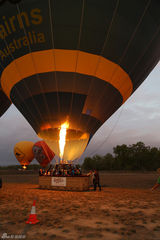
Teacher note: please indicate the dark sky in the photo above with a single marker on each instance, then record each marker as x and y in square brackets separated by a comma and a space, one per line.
[137, 120]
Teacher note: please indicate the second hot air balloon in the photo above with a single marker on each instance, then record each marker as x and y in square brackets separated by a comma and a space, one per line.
[23, 152]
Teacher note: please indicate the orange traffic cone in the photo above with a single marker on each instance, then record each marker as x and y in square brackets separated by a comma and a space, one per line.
[32, 217]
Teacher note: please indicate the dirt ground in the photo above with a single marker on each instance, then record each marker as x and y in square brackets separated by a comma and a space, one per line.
[118, 212]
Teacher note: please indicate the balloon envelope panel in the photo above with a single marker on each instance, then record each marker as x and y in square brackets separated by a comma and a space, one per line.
[4, 103]
[23, 152]
[75, 60]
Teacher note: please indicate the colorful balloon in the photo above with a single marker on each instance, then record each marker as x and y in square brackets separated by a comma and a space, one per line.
[23, 152]
[75, 62]
[42, 153]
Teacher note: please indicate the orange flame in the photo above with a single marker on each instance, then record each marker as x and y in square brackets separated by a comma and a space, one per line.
[24, 167]
[62, 137]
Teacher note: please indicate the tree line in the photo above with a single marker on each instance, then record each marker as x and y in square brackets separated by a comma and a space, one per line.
[133, 157]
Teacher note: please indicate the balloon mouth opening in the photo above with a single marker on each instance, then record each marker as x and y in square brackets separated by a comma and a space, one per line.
[74, 142]
[54, 134]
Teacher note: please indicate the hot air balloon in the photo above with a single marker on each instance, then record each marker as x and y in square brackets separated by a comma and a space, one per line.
[69, 65]
[23, 153]
[42, 153]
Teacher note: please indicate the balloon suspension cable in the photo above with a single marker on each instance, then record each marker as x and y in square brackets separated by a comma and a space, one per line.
[110, 133]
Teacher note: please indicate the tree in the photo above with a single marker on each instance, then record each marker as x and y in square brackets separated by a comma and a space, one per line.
[133, 157]
[87, 164]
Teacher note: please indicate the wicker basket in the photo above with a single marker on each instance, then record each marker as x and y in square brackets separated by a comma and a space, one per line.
[76, 183]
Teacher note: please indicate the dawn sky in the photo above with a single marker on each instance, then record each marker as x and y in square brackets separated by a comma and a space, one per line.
[137, 120]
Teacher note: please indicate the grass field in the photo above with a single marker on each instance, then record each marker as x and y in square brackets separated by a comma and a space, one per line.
[125, 209]
[108, 179]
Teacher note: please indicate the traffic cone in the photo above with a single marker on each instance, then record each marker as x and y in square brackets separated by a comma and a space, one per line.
[32, 217]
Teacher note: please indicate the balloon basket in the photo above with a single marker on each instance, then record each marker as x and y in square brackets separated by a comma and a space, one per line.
[76, 183]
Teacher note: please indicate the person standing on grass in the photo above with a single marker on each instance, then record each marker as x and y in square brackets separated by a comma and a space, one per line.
[96, 180]
[158, 181]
